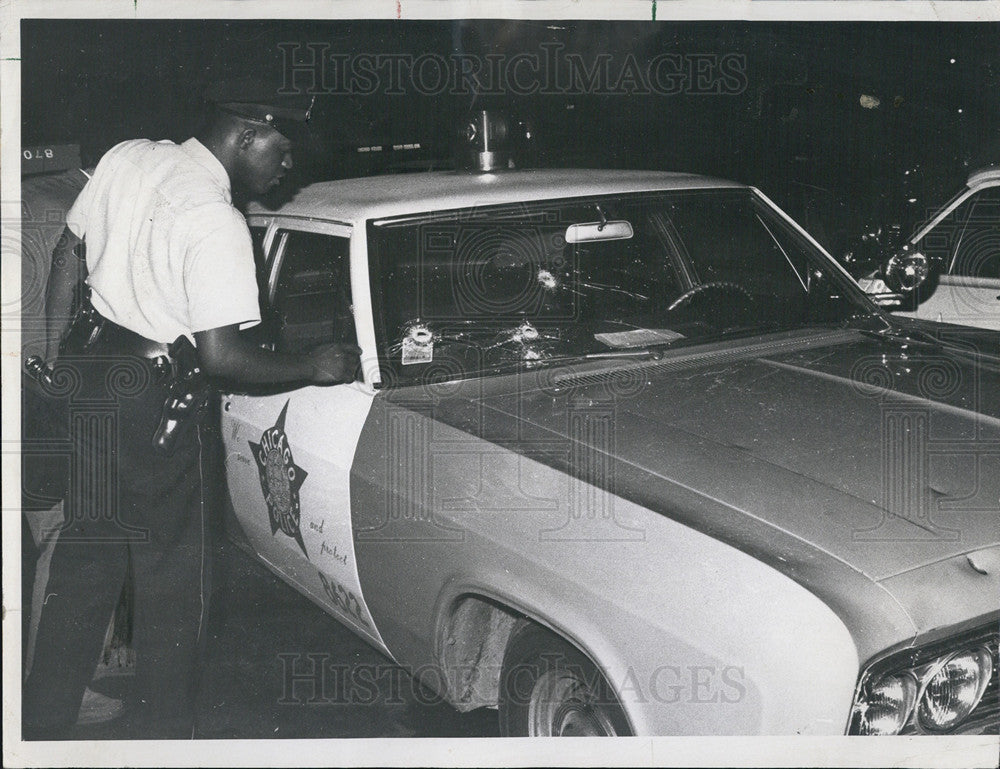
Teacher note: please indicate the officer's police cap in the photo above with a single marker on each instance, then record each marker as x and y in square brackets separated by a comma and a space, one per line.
[260, 100]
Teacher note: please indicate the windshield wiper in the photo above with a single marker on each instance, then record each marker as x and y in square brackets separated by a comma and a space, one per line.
[640, 352]
[896, 333]
[866, 320]
[633, 354]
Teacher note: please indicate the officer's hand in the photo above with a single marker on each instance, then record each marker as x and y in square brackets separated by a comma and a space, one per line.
[334, 363]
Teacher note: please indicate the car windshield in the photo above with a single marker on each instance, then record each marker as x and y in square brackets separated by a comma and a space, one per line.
[495, 288]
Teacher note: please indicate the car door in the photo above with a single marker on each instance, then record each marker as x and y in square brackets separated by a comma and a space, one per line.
[289, 454]
[967, 244]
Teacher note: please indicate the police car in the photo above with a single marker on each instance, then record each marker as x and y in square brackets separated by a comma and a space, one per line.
[629, 454]
[949, 269]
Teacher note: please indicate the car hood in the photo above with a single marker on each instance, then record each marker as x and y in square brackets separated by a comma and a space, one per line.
[880, 453]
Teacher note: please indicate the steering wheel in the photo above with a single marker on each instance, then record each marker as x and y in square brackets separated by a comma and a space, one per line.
[720, 286]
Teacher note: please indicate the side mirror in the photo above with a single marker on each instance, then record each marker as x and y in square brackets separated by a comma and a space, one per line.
[905, 272]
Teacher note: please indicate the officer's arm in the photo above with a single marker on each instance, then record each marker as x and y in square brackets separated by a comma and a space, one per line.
[225, 354]
[68, 271]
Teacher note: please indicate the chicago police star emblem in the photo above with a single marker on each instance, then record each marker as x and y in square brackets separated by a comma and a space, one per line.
[280, 479]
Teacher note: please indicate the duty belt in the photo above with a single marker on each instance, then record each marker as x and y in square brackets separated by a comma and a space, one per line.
[90, 330]
[176, 364]
[119, 339]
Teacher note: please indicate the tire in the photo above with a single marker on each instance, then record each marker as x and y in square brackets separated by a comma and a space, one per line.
[549, 688]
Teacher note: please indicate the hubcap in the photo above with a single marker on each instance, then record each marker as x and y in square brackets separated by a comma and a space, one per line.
[563, 705]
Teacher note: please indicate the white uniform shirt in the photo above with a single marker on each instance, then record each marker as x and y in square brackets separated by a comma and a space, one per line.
[167, 254]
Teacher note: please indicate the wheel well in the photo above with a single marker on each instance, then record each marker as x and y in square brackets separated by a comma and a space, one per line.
[472, 650]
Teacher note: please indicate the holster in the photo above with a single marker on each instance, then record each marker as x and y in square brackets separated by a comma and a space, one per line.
[187, 397]
[83, 331]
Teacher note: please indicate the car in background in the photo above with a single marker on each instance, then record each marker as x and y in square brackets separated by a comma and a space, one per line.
[949, 269]
[629, 453]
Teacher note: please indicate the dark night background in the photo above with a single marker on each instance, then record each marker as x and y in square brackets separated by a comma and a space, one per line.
[797, 130]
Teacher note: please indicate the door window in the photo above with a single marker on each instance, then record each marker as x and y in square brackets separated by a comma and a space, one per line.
[977, 252]
[966, 242]
[312, 296]
[257, 235]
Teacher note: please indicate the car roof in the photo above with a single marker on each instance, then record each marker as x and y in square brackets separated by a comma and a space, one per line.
[987, 175]
[352, 200]
[983, 175]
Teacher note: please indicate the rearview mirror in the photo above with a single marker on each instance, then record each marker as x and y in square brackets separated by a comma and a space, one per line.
[591, 232]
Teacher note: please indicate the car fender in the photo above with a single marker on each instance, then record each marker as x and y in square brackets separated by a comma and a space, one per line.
[726, 655]
[639, 604]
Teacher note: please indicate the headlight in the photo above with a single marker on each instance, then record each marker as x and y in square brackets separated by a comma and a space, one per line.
[887, 705]
[949, 686]
[954, 686]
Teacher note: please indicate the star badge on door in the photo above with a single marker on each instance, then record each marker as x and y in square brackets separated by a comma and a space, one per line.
[280, 479]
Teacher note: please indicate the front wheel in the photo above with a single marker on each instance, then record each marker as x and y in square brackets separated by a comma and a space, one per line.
[549, 689]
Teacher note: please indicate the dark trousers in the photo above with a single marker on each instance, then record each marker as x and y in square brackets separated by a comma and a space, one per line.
[124, 500]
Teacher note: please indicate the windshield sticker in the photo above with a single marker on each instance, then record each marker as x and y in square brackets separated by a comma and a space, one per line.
[280, 479]
[418, 345]
[639, 337]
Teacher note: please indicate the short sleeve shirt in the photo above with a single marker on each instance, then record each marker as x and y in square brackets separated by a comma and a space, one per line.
[167, 253]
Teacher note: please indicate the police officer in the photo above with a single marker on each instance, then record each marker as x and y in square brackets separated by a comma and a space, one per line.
[169, 263]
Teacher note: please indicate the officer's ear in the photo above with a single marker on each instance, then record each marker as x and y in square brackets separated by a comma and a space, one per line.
[247, 136]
